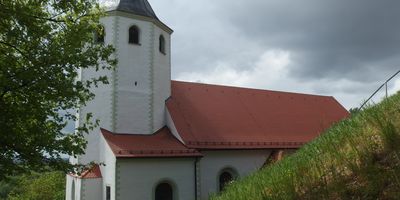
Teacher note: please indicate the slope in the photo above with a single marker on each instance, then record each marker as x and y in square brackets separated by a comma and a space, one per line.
[358, 158]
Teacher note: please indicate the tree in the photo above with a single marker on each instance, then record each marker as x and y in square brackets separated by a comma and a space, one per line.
[43, 43]
[46, 186]
[6, 186]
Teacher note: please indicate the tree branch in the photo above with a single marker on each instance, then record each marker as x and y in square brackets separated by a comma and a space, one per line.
[16, 48]
[48, 19]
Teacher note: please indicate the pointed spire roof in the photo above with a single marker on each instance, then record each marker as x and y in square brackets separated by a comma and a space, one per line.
[138, 7]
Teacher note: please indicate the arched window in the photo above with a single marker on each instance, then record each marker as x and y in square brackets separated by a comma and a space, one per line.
[162, 44]
[99, 34]
[133, 35]
[164, 191]
[226, 177]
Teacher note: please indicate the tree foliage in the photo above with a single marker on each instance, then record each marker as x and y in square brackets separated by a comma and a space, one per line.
[43, 44]
[6, 186]
[46, 186]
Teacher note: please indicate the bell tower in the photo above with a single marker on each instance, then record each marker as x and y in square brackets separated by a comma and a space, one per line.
[134, 101]
[142, 80]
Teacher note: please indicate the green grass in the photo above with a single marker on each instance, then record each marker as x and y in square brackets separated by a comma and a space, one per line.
[358, 158]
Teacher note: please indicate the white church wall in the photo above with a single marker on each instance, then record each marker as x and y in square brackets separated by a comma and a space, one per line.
[92, 189]
[100, 106]
[101, 111]
[172, 127]
[133, 101]
[138, 178]
[68, 188]
[162, 78]
[142, 77]
[242, 162]
[73, 188]
[108, 171]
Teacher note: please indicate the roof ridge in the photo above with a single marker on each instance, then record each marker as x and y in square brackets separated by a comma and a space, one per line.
[249, 88]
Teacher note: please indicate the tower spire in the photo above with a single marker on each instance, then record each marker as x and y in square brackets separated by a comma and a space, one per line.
[138, 7]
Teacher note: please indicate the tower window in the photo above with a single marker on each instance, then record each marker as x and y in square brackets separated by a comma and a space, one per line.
[99, 34]
[162, 44]
[133, 35]
[164, 192]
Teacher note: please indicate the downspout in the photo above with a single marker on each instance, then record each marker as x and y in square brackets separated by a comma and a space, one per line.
[195, 177]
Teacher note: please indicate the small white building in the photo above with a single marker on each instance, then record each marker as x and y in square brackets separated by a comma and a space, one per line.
[171, 140]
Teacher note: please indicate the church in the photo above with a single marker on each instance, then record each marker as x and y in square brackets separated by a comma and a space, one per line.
[161, 139]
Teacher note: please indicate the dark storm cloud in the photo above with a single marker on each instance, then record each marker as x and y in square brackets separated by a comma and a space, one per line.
[201, 37]
[356, 39]
[341, 48]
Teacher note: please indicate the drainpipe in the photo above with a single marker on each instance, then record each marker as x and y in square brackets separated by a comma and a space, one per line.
[195, 177]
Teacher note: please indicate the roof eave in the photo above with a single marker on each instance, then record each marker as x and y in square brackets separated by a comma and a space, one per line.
[157, 22]
[159, 156]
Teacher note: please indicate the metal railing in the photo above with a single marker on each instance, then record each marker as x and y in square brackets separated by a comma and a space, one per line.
[383, 85]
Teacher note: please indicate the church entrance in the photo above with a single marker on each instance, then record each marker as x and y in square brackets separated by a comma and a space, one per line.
[164, 192]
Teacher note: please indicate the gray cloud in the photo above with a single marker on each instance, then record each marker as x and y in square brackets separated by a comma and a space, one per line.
[344, 48]
[329, 38]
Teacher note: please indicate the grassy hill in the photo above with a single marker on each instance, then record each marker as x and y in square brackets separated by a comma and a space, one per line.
[359, 158]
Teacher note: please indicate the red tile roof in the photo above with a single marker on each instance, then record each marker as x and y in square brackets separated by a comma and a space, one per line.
[92, 173]
[160, 144]
[221, 117]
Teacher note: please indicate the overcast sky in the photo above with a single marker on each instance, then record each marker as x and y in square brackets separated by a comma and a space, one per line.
[340, 48]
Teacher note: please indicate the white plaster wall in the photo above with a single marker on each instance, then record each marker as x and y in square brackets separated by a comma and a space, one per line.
[162, 78]
[133, 102]
[100, 106]
[242, 161]
[92, 189]
[68, 187]
[108, 158]
[140, 108]
[68, 192]
[172, 127]
[103, 114]
[137, 178]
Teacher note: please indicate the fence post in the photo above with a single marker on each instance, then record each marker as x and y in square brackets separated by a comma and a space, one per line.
[386, 89]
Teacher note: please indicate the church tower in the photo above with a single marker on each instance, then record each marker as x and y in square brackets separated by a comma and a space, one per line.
[134, 101]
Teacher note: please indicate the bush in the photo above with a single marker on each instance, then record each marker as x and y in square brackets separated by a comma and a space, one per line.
[45, 186]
